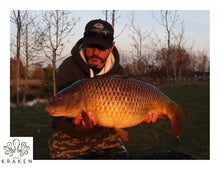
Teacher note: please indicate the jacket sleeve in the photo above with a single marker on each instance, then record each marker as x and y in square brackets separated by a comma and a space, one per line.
[64, 78]
[66, 75]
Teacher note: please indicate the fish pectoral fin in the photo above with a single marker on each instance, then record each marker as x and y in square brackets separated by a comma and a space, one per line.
[122, 133]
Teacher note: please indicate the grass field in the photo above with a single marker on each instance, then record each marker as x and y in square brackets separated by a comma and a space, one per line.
[144, 139]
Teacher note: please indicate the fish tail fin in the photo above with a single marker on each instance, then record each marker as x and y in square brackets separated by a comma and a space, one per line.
[177, 110]
[176, 125]
[177, 113]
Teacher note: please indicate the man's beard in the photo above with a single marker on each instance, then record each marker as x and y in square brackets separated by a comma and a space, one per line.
[95, 66]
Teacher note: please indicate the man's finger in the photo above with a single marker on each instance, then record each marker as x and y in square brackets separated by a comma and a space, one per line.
[154, 117]
[78, 119]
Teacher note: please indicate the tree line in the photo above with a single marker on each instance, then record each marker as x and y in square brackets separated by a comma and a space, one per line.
[44, 34]
[168, 54]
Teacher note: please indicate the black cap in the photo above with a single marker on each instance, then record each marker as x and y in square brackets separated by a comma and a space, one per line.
[98, 33]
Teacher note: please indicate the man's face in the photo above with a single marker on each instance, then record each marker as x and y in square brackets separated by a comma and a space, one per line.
[97, 57]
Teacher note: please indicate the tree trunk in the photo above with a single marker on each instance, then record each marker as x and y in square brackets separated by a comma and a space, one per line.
[170, 67]
[26, 68]
[174, 68]
[180, 73]
[18, 56]
[54, 72]
[113, 19]
[106, 15]
[203, 72]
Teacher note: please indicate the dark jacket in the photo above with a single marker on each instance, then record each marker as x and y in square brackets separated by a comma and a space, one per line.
[72, 69]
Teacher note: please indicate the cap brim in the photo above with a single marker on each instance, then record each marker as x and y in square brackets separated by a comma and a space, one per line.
[97, 41]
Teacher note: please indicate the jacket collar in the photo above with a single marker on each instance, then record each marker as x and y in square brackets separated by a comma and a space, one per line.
[107, 67]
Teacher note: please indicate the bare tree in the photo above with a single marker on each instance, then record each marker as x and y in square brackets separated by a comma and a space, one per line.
[114, 17]
[17, 18]
[169, 20]
[106, 15]
[27, 62]
[194, 61]
[138, 37]
[29, 50]
[180, 53]
[204, 63]
[53, 33]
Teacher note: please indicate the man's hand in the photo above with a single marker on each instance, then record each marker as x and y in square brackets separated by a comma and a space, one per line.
[85, 120]
[151, 117]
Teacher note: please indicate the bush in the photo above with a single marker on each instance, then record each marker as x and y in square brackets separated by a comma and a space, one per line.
[47, 82]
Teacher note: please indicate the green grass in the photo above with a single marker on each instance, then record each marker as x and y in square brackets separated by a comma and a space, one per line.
[32, 121]
[159, 137]
[144, 139]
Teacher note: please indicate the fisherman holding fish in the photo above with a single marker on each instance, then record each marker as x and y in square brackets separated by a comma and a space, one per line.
[93, 55]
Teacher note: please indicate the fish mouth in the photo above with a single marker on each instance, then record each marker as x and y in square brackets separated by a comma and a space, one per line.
[50, 110]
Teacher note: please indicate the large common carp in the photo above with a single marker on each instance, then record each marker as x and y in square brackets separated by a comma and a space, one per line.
[115, 101]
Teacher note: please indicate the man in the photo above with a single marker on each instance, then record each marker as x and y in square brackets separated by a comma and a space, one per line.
[95, 54]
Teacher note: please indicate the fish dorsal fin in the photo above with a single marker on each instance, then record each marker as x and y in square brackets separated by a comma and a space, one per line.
[110, 76]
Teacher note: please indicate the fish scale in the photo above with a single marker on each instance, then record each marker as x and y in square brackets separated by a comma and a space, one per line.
[117, 102]
[122, 113]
